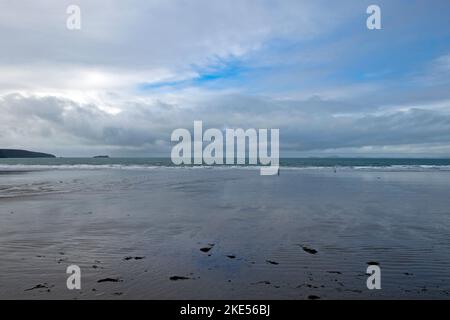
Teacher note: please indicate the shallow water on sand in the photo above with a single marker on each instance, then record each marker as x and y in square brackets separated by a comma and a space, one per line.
[252, 230]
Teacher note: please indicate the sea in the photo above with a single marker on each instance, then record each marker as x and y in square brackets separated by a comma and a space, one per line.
[393, 164]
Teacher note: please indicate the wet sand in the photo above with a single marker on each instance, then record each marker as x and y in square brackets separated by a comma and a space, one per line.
[171, 233]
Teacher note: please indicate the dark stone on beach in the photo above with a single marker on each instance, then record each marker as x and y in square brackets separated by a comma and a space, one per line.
[313, 297]
[39, 286]
[135, 258]
[373, 263]
[208, 248]
[176, 278]
[231, 256]
[354, 291]
[309, 250]
[360, 275]
[272, 262]
[110, 280]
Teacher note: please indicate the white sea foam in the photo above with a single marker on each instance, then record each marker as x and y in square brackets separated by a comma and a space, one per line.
[392, 168]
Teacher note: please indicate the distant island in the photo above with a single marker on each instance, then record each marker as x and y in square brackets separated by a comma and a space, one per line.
[14, 153]
[101, 157]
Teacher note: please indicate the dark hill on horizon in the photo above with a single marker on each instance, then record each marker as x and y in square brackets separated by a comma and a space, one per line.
[15, 153]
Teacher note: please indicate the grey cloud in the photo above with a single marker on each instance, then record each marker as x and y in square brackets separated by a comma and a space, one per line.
[146, 128]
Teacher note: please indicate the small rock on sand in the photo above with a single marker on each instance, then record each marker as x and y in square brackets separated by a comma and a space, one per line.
[176, 278]
[39, 286]
[207, 248]
[309, 250]
[262, 282]
[335, 272]
[109, 280]
[135, 258]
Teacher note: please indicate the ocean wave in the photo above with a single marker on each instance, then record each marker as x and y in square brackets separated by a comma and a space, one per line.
[392, 168]
[28, 189]
[38, 167]
[404, 168]
[386, 168]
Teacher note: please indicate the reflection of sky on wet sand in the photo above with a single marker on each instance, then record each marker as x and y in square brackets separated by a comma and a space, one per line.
[97, 218]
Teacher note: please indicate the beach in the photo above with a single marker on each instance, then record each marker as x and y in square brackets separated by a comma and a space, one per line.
[224, 233]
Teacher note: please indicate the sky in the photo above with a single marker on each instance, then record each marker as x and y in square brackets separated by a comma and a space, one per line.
[137, 70]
